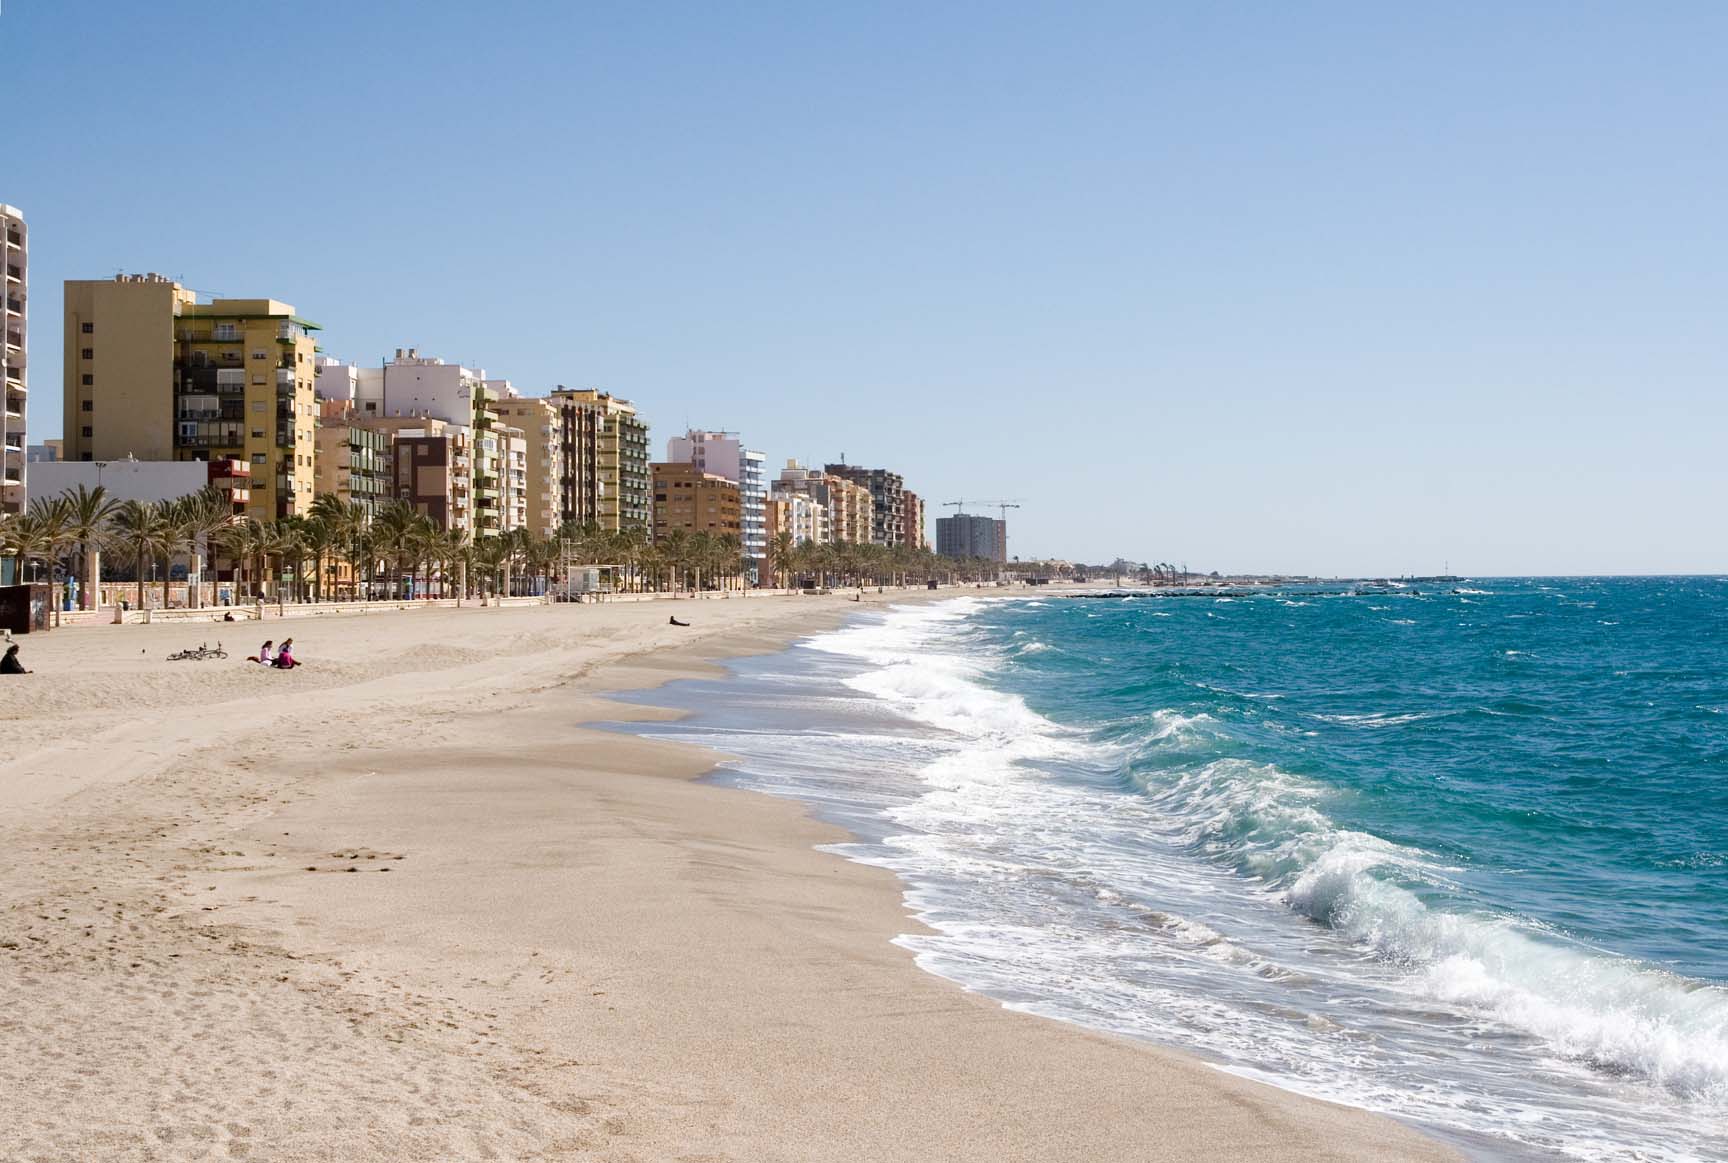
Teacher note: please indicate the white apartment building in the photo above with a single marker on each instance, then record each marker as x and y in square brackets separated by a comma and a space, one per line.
[806, 518]
[723, 454]
[14, 359]
[417, 385]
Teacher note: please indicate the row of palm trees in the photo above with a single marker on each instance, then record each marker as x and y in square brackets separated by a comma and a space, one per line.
[345, 550]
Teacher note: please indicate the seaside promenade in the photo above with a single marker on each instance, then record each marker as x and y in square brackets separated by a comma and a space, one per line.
[401, 904]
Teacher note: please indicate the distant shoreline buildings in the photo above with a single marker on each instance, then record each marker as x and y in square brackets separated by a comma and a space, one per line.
[154, 377]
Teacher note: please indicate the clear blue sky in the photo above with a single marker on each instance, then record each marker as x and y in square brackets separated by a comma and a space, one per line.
[1335, 288]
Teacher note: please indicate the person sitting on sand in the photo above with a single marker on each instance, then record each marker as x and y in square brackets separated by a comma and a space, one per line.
[10, 664]
[674, 620]
[266, 653]
[285, 656]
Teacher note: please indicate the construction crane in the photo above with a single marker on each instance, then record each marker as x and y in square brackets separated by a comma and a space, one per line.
[959, 507]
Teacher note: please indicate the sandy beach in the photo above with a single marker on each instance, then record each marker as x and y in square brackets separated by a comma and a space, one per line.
[402, 904]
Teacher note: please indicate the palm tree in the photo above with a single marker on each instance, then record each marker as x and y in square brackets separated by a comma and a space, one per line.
[729, 563]
[628, 546]
[320, 536]
[489, 554]
[56, 517]
[780, 550]
[35, 536]
[87, 513]
[142, 528]
[242, 540]
[282, 541]
[203, 515]
[388, 531]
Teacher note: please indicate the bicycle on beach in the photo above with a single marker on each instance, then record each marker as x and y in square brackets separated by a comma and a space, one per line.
[199, 655]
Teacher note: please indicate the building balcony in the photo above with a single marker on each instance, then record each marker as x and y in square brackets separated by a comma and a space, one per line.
[284, 377]
[14, 305]
[14, 273]
[233, 440]
[14, 338]
[14, 404]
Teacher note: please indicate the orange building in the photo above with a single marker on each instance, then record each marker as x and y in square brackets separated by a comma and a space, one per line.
[687, 498]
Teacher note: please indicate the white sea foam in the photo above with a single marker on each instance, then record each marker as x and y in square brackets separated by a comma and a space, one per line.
[1011, 842]
[1605, 1012]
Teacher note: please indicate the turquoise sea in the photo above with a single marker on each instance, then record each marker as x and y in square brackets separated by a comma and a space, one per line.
[1458, 853]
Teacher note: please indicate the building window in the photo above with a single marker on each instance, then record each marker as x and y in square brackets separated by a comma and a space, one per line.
[88, 328]
[88, 353]
[257, 433]
[260, 355]
[257, 458]
[84, 456]
[89, 380]
[86, 431]
[86, 406]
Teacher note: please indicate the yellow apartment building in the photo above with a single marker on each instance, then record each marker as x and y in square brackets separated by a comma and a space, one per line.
[150, 372]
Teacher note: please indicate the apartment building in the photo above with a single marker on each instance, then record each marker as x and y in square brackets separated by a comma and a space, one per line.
[580, 427]
[846, 513]
[412, 384]
[14, 360]
[545, 460]
[912, 520]
[887, 520]
[798, 515]
[431, 466]
[352, 462]
[963, 535]
[150, 372]
[621, 459]
[688, 499]
[724, 454]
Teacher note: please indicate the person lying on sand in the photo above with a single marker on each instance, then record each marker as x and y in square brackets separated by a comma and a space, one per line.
[676, 622]
[10, 663]
[266, 653]
[285, 656]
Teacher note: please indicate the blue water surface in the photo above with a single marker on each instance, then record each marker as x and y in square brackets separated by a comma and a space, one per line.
[1452, 851]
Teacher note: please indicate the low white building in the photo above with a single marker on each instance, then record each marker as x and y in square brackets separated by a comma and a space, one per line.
[125, 480]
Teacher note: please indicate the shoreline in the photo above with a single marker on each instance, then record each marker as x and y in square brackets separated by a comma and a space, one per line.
[582, 949]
